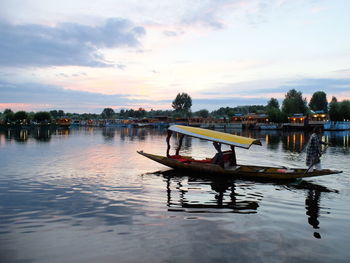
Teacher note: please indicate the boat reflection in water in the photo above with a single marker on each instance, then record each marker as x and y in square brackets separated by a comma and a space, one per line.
[208, 195]
[189, 194]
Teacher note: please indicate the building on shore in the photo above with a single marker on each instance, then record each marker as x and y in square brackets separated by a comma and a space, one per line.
[63, 122]
[318, 118]
[237, 121]
[307, 121]
[253, 120]
[297, 120]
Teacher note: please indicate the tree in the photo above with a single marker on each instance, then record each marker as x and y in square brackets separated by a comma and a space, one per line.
[6, 111]
[334, 113]
[275, 115]
[20, 116]
[319, 102]
[202, 113]
[182, 103]
[88, 116]
[60, 113]
[54, 113]
[259, 109]
[31, 115]
[294, 103]
[42, 116]
[140, 113]
[9, 115]
[273, 103]
[130, 113]
[107, 113]
[221, 112]
[122, 113]
[344, 110]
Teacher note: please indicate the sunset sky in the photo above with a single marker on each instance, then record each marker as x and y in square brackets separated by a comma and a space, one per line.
[85, 55]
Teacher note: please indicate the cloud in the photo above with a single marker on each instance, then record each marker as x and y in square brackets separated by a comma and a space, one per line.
[76, 75]
[64, 44]
[56, 97]
[206, 13]
[170, 33]
[312, 85]
[306, 86]
[259, 92]
[204, 19]
[35, 96]
[120, 66]
[218, 14]
[344, 70]
[216, 103]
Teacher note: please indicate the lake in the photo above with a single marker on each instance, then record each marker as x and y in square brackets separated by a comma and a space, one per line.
[85, 195]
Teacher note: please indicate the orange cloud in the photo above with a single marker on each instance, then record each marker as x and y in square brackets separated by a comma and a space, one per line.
[23, 106]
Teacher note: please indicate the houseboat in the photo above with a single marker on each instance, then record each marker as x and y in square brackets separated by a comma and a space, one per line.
[63, 122]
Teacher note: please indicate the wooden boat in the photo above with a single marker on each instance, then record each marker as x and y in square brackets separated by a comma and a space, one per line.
[227, 166]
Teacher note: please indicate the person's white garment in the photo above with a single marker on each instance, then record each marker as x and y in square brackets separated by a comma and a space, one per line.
[317, 166]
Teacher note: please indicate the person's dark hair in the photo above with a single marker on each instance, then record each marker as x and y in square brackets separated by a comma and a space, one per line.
[317, 130]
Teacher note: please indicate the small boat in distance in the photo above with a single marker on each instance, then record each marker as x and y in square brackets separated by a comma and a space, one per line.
[224, 163]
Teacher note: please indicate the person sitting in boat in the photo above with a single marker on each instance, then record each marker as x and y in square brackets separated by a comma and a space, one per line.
[219, 157]
[313, 151]
[224, 159]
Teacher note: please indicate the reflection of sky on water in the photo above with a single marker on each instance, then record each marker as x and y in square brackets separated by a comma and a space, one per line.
[26, 204]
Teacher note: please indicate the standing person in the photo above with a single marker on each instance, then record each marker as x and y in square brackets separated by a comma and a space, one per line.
[313, 151]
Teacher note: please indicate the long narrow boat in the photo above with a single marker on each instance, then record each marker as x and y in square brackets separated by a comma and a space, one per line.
[224, 163]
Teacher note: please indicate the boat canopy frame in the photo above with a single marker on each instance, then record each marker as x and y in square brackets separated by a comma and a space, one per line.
[209, 135]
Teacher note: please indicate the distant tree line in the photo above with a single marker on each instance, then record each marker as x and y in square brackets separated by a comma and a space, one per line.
[294, 102]
[8, 116]
[20, 117]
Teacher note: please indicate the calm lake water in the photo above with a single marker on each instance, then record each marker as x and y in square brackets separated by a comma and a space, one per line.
[85, 195]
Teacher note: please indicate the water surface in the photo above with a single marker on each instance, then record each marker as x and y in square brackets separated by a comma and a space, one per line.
[85, 195]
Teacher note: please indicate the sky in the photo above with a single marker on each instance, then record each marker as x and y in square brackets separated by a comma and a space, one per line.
[86, 55]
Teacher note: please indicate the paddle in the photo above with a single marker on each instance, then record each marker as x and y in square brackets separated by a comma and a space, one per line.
[324, 150]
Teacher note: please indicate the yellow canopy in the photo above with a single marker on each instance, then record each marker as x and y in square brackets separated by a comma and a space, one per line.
[215, 136]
